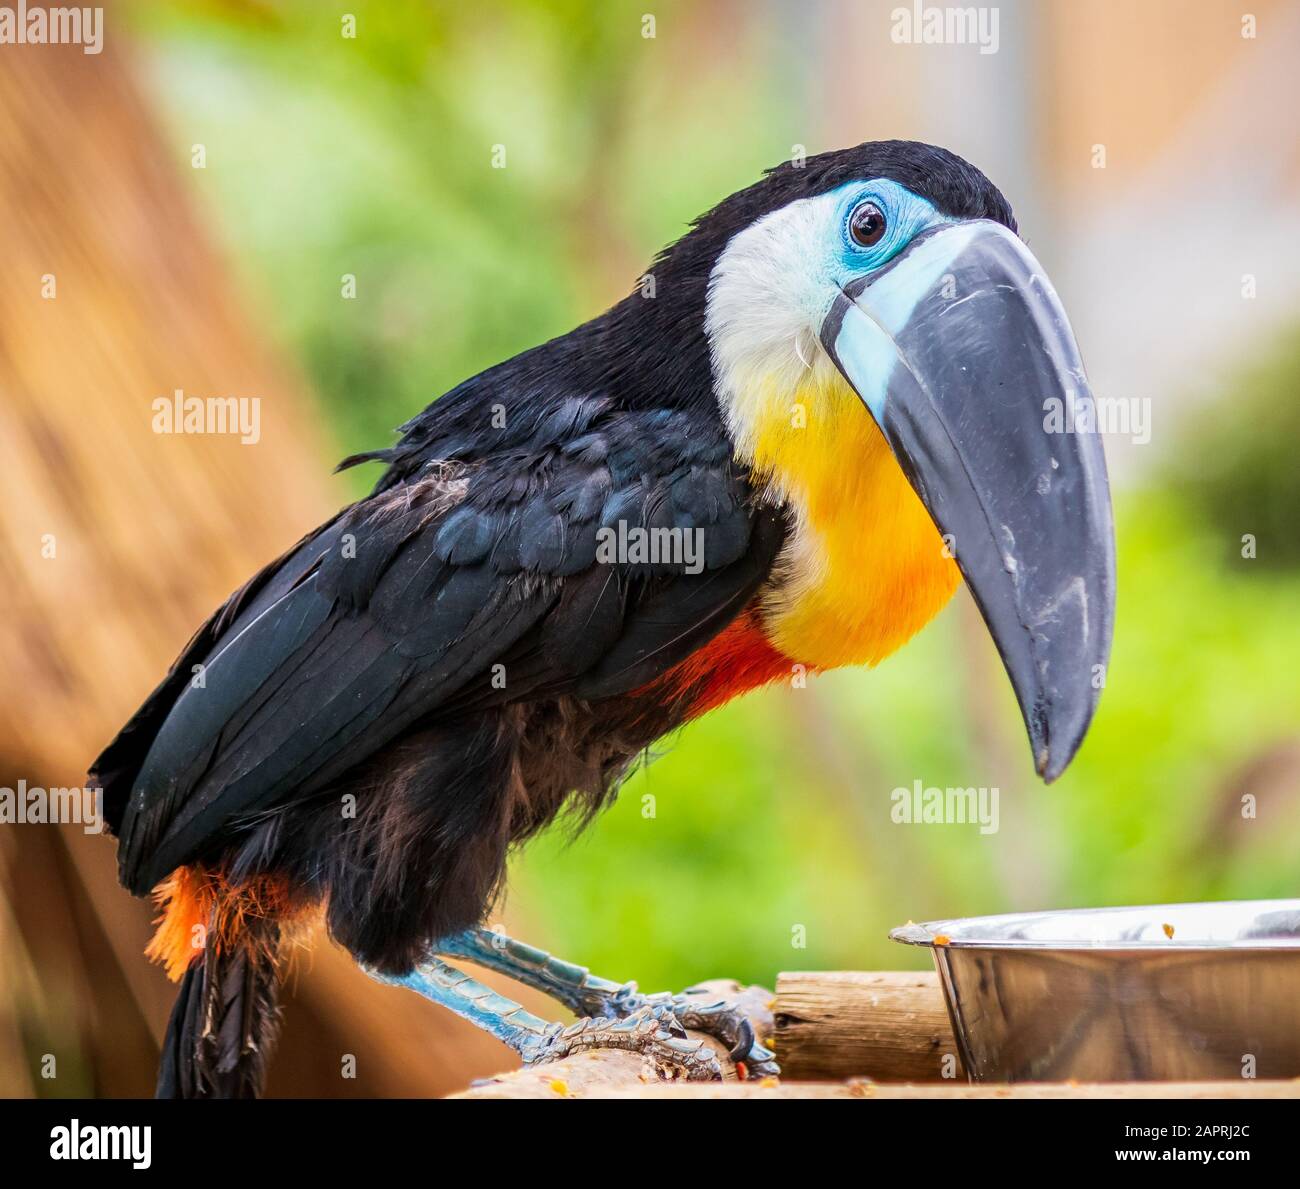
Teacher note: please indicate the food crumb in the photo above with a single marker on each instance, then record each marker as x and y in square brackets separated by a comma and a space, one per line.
[941, 939]
[769, 1083]
[560, 1087]
[1169, 931]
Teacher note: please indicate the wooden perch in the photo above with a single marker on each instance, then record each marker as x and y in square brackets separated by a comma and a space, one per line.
[601, 1072]
[858, 1088]
[824, 1027]
[891, 1026]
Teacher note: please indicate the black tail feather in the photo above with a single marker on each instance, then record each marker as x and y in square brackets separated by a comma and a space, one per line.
[223, 1026]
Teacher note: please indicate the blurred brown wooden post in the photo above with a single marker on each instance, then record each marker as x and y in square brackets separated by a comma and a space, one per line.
[115, 543]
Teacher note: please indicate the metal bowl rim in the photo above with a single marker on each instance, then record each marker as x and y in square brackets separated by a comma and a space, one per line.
[924, 934]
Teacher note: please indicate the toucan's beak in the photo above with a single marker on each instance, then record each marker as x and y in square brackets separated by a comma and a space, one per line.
[959, 347]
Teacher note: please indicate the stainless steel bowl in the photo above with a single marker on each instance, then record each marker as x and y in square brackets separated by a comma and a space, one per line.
[1166, 992]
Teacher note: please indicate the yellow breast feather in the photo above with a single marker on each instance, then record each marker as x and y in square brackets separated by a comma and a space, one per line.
[865, 568]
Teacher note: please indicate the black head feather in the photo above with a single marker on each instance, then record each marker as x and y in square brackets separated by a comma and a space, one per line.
[665, 337]
[953, 185]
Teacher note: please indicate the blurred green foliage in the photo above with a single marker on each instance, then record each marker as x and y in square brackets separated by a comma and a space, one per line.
[373, 157]
[1237, 465]
[762, 839]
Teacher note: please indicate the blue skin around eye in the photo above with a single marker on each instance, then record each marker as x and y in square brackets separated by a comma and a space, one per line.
[906, 216]
[864, 345]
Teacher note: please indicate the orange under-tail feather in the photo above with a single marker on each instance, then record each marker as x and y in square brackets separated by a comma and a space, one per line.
[202, 909]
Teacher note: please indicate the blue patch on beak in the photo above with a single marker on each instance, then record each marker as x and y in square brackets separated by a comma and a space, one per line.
[865, 334]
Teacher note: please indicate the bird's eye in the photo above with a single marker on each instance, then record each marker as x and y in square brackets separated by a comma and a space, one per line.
[867, 225]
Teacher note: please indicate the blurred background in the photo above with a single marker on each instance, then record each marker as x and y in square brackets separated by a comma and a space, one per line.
[200, 194]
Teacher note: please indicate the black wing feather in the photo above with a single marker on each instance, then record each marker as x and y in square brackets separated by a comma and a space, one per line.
[396, 612]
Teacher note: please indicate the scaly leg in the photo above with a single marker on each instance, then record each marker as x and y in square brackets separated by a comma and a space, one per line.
[651, 1030]
[587, 995]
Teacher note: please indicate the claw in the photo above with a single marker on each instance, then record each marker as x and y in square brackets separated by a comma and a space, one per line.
[727, 1022]
[744, 1042]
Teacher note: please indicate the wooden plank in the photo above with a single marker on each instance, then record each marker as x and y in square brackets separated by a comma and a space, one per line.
[1243, 1088]
[610, 1074]
[891, 1026]
[601, 1073]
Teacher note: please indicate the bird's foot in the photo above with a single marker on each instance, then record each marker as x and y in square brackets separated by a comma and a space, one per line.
[723, 1010]
[652, 1030]
[611, 1014]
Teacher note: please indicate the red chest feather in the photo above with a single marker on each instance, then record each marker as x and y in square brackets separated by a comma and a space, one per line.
[738, 659]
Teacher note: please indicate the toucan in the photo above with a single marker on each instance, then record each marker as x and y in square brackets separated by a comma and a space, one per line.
[817, 412]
